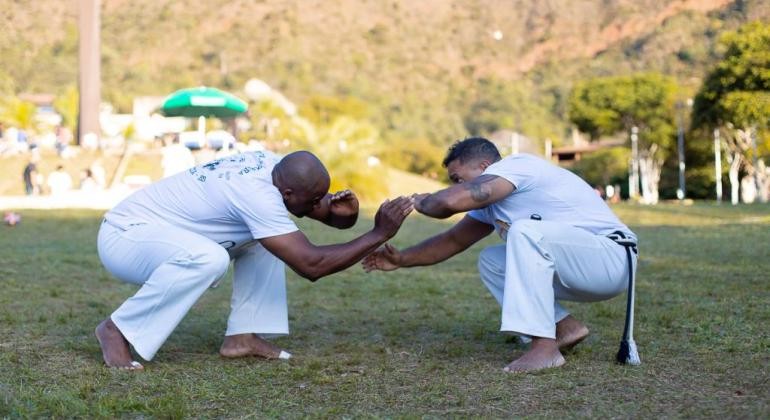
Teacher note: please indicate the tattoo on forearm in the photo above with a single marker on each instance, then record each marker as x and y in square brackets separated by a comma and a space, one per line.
[479, 191]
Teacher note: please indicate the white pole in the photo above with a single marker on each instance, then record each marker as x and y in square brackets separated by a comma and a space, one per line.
[202, 131]
[718, 164]
[681, 192]
[548, 149]
[753, 134]
[89, 75]
[514, 143]
[633, 190]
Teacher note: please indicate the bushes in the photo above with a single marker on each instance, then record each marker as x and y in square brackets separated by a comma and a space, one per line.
[604, 167]
[419, 156]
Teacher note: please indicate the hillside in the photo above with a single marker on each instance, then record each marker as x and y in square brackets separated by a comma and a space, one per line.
[426, 69]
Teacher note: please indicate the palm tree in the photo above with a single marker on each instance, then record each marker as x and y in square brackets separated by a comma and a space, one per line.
[18, 113]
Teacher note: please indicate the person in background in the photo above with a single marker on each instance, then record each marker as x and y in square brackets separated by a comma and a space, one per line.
[30, 177]
[59, 181]
[599, 191]
[9, 141]
[87, 181]
[97, 171]
[176, 158]
[63, 140]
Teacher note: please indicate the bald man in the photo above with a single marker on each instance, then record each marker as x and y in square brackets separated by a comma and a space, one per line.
[176, 238]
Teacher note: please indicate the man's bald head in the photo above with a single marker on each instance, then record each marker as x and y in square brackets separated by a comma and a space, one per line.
[302, 180]
[301, 171]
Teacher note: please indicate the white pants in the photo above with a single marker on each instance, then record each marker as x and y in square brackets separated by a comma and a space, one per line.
[174, 268]
[543, 262]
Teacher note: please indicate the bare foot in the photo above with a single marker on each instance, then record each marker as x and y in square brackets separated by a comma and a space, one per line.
[542, 354]
[570, 332]
[242, 345]
[115, 349]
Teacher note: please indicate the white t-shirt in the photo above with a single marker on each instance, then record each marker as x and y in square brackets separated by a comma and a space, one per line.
[550, 192]
[231, 201]
[59, 182]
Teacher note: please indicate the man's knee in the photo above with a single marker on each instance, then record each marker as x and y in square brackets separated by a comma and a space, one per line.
[213, 260]
[220, 261]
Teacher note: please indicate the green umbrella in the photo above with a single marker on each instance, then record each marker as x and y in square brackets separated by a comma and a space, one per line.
[202, 102]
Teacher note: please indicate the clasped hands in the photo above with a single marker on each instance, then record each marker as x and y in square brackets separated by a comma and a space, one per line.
[388, 257]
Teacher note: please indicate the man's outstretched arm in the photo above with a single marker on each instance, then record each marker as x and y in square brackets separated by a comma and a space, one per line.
[313, 262]
[478, 193]
[430, 251]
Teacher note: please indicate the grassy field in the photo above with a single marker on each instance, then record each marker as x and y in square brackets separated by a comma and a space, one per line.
[418, 342]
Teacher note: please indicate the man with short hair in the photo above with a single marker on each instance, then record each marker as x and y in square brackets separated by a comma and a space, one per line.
[556, 247]
[177, 236]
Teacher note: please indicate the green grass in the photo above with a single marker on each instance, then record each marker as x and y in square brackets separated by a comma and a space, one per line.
[417, 342]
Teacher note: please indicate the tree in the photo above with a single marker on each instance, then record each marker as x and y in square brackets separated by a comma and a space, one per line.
[7, 85]
[270, 123]
[604, 167]
[419, 156]
[606, 106]
[66, 104]
[18, 113]
[511, 105]
[735, 98]
[738, 144]
[344, 143]
[345, 146]
[323, 110]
